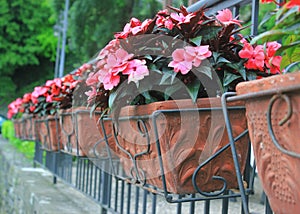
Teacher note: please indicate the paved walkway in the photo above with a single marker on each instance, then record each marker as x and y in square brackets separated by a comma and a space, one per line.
[61, 198]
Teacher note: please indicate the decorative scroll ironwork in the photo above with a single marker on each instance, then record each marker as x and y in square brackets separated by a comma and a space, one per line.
[138, 176]
[289, 114]
[67, 133]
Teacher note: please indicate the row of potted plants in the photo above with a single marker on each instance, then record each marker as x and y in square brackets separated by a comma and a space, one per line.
[154, 93]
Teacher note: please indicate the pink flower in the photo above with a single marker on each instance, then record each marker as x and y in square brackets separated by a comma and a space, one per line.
[127, 30]
[180, 18]
[181, 61]
[272, 47]
[57, 82]
[38, 91]
[14, 107]
[161, 21]
[91, 94]
[118, 60]
[136, 70]
[26, 98]
[255, 56]
[141, 28]
[83, 68]
[111, 47]
[92, 79]
[198, 54]
[49, 98]
[110, 80]
[225, 16]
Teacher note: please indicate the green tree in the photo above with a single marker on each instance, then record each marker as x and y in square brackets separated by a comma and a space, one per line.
[92, 24]
[26, 40]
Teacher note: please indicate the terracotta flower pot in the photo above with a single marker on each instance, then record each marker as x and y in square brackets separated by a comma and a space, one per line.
[29, 127]
[68, 136]
[186, 139]
[89, 139]
[48, 133]
[273, 112]
[17, 127]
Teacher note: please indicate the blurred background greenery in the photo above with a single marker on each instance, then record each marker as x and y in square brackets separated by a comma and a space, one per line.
[25, 147]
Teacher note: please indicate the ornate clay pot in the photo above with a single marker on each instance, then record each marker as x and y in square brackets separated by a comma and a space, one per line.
[273, 113]
[17, 127]
[48, 133]
[184, 139]
[89, 139]
[68, 136]
[29, 127]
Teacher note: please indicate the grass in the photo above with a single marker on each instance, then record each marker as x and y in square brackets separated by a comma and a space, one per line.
[25, 147]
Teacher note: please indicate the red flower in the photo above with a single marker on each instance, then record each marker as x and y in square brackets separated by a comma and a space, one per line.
[27, 98]
[225, 16]
[255, 56]
[268, 1]
[293, 3]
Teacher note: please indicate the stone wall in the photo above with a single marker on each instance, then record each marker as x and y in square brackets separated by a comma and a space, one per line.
[25, 189]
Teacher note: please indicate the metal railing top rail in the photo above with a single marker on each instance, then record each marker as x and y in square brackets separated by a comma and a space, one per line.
[216, 5]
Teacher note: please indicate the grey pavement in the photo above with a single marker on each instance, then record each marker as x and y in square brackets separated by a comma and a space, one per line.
[36, 186]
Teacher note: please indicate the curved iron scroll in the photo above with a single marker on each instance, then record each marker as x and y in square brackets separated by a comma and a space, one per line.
[139, 176]
[282, 122]
[197, 170]
[66, 133]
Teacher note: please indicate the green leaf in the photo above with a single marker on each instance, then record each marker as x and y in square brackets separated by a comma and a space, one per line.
[111, 99]
[170, 90]
[238, 67]
[296, 65]
[285, 47]
[269, 34]
[209, 32]
[146, 95]
[266, 18]
[149, 57]
[242, 71]
[204, 68]
[286, 15]
[222, 60]
[229, 78]
[196, 40]
[153, 67]
[216, 56]
[251, 76]
[193, 89]
[157, 59]
[168, 77]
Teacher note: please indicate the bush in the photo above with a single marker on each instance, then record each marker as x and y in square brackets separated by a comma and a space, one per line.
[25, 147]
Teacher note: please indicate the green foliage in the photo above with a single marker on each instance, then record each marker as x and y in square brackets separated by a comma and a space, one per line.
[91, 24]
[285, 29]
[25, 147]
[8, 129]
[26, 38]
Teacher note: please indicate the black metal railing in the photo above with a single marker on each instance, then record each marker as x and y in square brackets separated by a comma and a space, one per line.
[103, 178]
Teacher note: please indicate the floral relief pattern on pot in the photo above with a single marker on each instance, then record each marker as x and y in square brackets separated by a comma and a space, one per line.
[273, 115]
[183, 139]
[48, 133]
